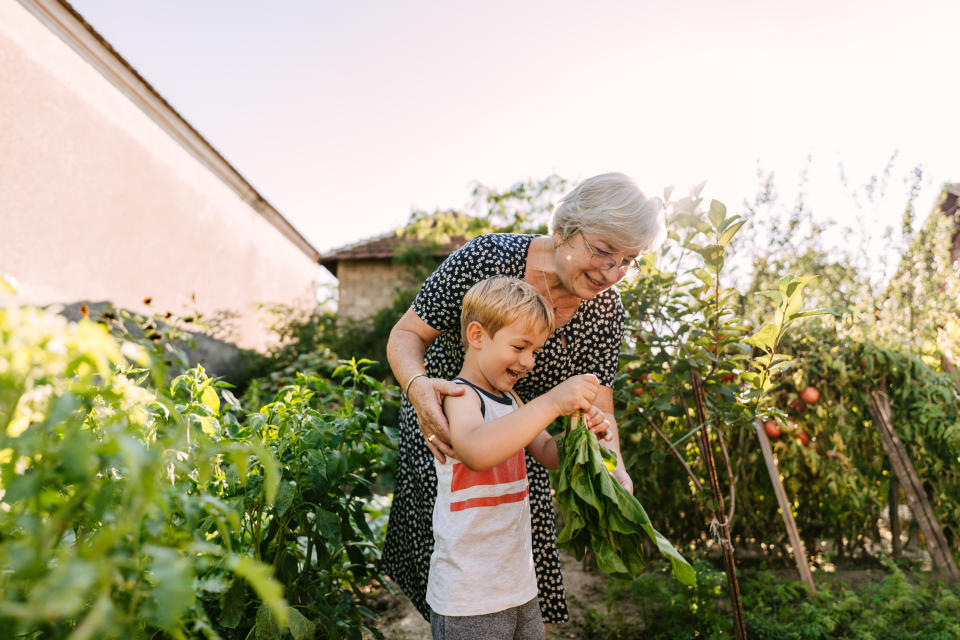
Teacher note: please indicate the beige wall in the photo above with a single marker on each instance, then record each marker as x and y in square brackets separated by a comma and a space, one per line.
[365, 286]
[98, 201]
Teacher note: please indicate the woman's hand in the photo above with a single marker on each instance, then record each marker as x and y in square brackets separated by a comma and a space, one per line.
[426, 395]
[597, 423]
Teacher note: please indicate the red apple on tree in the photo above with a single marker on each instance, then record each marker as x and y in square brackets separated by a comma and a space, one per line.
[772, 428]
[810, 395]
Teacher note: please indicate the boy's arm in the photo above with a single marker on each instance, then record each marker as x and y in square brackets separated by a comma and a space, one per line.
[483, 445]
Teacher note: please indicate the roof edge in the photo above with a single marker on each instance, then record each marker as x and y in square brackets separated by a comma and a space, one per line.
[67, 23]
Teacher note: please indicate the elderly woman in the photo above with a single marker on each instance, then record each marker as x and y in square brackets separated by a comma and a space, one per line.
[597, 231]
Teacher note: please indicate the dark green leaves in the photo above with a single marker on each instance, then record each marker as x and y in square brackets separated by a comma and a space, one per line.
[600, 515]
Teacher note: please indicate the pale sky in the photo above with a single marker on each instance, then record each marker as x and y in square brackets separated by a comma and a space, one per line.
[346, 115]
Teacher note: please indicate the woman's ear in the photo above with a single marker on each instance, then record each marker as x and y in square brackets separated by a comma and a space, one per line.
[557, 240]
[475, 333]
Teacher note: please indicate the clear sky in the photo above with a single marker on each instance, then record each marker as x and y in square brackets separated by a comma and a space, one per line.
[347, 114]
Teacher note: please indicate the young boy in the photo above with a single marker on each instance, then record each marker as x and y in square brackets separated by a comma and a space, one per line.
[482, 582]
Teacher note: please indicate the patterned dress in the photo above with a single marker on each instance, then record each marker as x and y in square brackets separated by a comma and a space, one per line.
[593, 338]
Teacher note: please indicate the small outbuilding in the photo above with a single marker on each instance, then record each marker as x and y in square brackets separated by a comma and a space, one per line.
[369, 274]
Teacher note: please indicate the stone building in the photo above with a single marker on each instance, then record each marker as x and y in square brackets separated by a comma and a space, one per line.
[108, 194]
[368, 276]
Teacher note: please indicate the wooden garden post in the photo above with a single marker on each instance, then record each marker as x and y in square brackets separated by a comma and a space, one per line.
[799, 553]
[893, 501]
[912, 488]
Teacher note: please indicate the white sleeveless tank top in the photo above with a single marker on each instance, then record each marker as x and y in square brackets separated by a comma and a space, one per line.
[482, 558]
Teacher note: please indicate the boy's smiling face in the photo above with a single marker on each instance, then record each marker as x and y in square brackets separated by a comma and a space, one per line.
[500, 360]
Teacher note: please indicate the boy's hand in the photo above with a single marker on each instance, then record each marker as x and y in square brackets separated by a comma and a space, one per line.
[575, 394]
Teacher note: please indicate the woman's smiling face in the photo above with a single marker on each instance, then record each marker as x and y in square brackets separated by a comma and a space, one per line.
[588, 264]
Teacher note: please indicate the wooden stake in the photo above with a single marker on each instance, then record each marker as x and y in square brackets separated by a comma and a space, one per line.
[917, 500]
[893, 501]
[799, 552]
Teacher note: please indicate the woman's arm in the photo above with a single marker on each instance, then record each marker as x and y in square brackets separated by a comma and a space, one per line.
[406, 347]
[604, 402]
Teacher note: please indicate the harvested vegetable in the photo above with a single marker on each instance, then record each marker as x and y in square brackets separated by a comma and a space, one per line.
[601, 515]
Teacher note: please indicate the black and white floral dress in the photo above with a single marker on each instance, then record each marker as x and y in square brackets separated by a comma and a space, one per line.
[593, 338]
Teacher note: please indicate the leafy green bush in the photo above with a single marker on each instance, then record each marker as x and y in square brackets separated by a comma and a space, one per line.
[129, 507]
[329, 442]
[103, 489]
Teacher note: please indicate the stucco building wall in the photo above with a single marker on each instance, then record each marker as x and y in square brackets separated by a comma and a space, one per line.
[98, 201]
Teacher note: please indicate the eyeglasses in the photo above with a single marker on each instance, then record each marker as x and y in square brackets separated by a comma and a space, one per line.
[607, 260]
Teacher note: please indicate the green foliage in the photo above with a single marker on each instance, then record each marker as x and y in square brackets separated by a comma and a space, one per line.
[308, 519]
[652, 606]
[838, 481]
[601, 516]
[840, 478]
[130, 508]
[682, 322]
[104, 484]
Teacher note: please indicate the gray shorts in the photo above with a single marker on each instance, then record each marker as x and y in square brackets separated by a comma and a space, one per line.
[516, 623]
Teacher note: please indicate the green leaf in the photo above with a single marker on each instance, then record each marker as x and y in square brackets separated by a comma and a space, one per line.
[792, 285]
[681, 568]
[271, 471]
[172, 594]
[208, 425]
[776, 296]
[764, 338]
[712, 256]
[729, 232]
[260, 577]
[64, 591]
[823, 311]
[209, 398]
[607, 558]
[705, 277]
[267, 627]
[285, 495]
[301, 628]
[718, 211]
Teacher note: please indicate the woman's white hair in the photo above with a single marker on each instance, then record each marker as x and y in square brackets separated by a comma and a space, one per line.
[611, 206]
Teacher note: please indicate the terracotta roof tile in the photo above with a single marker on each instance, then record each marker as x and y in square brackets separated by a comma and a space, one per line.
[382, 247]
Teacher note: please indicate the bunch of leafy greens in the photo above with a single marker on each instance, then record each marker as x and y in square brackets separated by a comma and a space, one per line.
[601, 515]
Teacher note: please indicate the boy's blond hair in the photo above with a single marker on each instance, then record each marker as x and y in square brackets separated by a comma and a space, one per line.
[499, 301]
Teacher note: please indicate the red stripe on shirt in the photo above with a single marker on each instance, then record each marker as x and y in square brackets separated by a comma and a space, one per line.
[510, 470]
[490, 501]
